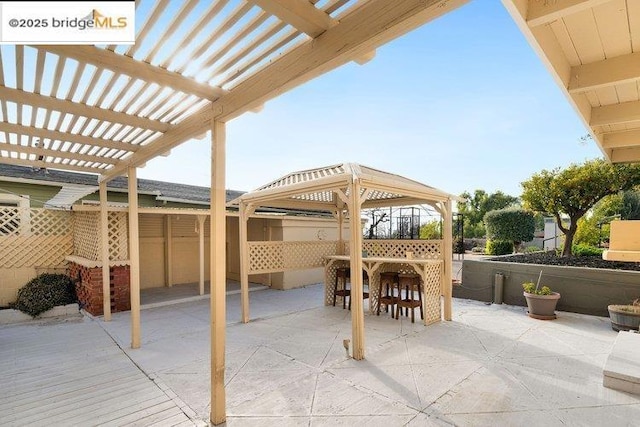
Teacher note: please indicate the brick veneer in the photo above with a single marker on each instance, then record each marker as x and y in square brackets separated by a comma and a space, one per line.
[89, 287]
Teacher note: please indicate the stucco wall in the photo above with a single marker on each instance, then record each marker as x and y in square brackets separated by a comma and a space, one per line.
[583, 290]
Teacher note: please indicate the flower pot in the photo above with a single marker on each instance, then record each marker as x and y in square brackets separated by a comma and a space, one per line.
[624, 317]
[542, 306]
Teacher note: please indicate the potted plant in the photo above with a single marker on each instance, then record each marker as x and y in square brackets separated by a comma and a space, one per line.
[625, 317]
[541, 301]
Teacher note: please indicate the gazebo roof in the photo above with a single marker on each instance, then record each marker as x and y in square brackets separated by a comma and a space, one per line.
[316, 189]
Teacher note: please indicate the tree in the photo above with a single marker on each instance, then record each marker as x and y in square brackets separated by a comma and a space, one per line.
[575, 190]
[430, 230]
[475, 207]
[513, 224]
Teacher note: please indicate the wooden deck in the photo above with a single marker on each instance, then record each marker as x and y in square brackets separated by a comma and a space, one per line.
[86, 381]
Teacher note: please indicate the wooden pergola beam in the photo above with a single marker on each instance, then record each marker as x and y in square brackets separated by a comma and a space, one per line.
[542, 12]
[300, 14]
[122, 64]
[366, 28]
[608, 72]
[44, 165]
[44, 152]
[51, 103]
[67, 137]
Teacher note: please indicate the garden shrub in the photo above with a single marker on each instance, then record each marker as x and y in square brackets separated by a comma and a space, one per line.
[44, 292]
[531, 249]
[499, 247]
[586, 250]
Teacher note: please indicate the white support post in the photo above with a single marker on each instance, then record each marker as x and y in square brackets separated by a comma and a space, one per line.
[134, 258]
[447, 253]
[104, 249]
[201, 221]
[357, 306]
[218, 272]
[243, 223]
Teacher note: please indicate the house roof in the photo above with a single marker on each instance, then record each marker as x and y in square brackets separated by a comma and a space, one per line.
[592, 50]
[162, 190]
[318, 189]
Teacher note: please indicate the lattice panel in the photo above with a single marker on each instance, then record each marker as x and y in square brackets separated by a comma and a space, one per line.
[86, 235]
[270, 257]
[431, 293]
[34, 237]
[118, 236]
[428, 249]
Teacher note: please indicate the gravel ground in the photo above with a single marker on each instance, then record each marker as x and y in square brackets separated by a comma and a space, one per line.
[549, 258]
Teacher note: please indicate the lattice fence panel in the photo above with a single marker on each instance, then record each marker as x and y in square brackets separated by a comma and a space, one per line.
[270, 257]
[34, 237]
[428, 249]
[118, 236]
[431, 290]
[86, 235]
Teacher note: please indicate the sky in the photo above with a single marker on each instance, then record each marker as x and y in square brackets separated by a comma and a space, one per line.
[461, 103]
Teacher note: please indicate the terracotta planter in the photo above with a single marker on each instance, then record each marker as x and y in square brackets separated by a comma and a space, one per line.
[623, 320]
[542, 306]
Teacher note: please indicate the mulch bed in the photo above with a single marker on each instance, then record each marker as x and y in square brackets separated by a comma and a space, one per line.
[550, 258]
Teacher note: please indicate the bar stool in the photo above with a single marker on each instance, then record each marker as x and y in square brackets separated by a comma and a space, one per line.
[388, 286]
[410, 283]
[342, 275]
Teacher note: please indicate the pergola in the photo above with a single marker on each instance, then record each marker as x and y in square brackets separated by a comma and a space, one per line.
[196, 65]
[345, 189]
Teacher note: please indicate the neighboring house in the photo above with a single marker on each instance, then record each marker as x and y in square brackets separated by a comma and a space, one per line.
[48, 221]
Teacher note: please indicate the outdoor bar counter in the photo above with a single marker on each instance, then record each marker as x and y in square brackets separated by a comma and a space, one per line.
[430, 271]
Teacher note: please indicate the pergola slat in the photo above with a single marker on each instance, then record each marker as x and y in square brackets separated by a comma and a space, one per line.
[105, 59]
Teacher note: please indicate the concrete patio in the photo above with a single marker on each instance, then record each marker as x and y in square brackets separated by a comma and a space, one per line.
[491, 365]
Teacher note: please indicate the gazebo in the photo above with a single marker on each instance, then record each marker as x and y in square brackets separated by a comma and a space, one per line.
[343, 189]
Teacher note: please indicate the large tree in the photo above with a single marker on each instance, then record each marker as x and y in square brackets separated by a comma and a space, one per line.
[572, 191]
[474, 208]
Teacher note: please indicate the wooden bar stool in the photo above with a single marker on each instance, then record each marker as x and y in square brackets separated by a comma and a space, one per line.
[342, 276]
[388, 285]
[410, 283]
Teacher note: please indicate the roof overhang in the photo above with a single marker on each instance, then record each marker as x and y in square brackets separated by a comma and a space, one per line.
[592, 50]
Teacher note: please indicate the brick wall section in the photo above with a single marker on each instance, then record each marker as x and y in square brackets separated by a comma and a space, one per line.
[89, 287]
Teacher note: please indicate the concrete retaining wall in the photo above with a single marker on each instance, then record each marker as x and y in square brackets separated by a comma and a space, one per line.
[583, 290]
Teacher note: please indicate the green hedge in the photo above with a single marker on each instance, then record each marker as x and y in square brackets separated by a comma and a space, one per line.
[586, 250]
[45, 292]
[499, 247]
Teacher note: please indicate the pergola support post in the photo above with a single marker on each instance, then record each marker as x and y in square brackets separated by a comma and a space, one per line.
[104, 250]
[134, 258]
[243, 223]
[168, 252]
[201, 221]
[357, 306]
[447, 253]
[218, 272]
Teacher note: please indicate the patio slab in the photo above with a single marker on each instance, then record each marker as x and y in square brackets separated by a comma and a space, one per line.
[491, 365]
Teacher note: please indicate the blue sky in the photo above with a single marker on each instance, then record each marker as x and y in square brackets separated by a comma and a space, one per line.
[461, 103]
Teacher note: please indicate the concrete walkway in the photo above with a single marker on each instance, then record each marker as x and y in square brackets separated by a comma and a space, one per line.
[492, 365]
